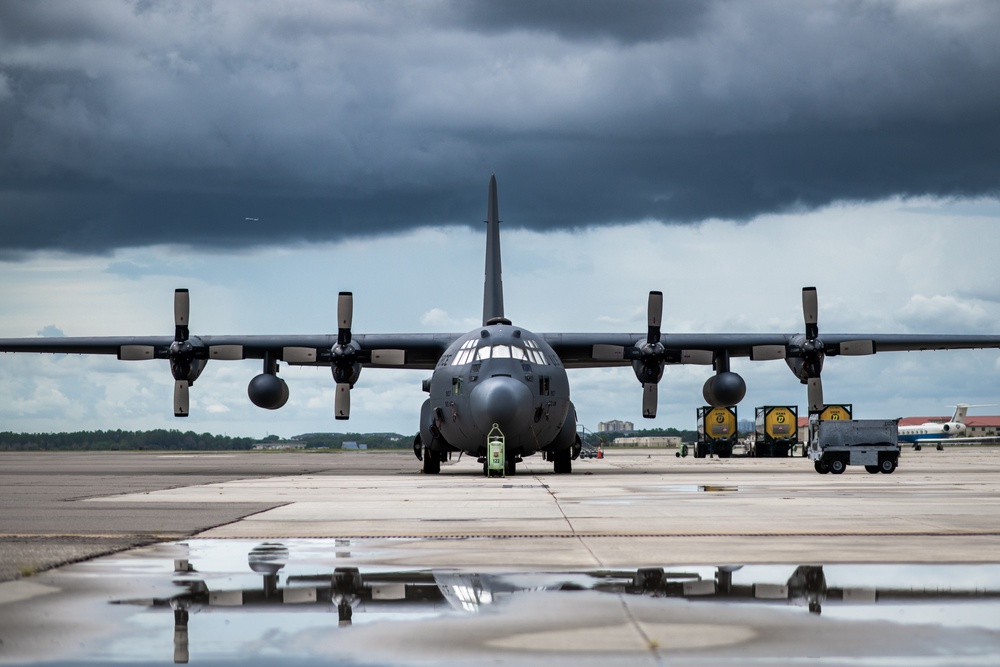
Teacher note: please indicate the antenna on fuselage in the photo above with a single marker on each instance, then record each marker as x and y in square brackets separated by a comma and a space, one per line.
[493, 291]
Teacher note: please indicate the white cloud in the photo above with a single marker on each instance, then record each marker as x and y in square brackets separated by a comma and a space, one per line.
[946, 313]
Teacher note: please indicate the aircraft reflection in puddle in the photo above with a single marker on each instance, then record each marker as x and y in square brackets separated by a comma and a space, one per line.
[348, 589]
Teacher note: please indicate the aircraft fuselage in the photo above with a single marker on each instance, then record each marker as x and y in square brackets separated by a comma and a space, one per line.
[498, 375]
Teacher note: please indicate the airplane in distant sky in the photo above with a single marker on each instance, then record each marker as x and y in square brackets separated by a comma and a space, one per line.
[938, 433]
[499, 375]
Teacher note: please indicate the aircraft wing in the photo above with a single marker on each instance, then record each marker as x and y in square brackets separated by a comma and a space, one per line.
[414, 351]
[595, 350]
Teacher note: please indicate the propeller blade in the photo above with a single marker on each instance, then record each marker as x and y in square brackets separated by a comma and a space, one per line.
[815, 394]
[181, 398]
[649, 396]
[654, 315]
[135, 352]
[810, 311]
[182, 310]
[345, 316]
[388, 357]
[602, 352]
[857, 348]
[342, 401]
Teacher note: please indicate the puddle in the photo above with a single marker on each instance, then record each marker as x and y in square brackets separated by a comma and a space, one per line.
[340, 601]
[693, 488]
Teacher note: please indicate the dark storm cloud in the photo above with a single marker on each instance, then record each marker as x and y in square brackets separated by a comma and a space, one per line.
[126, 124]
[624, 20]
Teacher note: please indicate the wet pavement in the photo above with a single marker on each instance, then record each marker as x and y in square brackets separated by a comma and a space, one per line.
[639, 558]
[324, 601]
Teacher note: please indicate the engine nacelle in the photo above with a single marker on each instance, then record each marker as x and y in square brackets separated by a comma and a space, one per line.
[724, 389]
[647, 373]
[346, 373]
[268, 391]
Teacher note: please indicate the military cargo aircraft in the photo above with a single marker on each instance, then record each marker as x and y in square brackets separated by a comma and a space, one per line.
[499, 375]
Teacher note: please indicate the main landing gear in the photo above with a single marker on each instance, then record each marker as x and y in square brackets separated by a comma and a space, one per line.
[431, 460]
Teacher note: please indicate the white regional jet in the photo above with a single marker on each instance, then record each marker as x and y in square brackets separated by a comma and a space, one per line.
[939, 433]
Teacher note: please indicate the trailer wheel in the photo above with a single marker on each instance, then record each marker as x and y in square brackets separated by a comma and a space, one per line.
[887, 466]
[837, 466]
[821, 467]
[872, 469]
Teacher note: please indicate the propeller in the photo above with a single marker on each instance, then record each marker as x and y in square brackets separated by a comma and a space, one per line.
[183, 354]
[651, 355]
[805, 354]
[345, 364]
[187, 354]
[345, 357]
[812, 351]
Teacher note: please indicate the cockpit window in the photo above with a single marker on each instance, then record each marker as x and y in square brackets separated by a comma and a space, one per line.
[465, 354]
[469, 353]
[534, 354]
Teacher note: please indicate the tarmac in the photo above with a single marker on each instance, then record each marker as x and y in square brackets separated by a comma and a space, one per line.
[631, 508]
[637, 558]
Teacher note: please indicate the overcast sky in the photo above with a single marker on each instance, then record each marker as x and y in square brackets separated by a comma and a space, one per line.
[268, 155]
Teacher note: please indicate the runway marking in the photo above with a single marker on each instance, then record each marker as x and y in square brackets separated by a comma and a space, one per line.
[427, 536]
[160, 537]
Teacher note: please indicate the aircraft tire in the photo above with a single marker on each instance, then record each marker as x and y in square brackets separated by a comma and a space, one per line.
[511, 467]
[432, 462]
[562, 463]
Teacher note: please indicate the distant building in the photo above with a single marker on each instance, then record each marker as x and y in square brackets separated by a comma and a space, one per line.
[351, 444]
[649, 441]
[282, 444]
[615, 426]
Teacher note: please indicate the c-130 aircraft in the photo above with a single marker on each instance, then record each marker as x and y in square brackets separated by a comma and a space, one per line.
[499, 375]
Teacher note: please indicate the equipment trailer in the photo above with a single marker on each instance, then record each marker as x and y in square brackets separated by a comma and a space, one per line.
[836, 444]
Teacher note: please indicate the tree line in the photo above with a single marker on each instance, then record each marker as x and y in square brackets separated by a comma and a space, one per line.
[172, 440]
[121, 440]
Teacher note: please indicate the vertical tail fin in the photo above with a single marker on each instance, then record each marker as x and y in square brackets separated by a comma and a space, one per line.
[493, 291]
[960, 413]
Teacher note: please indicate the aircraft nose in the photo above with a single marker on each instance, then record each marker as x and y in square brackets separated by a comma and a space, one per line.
[501, 400]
